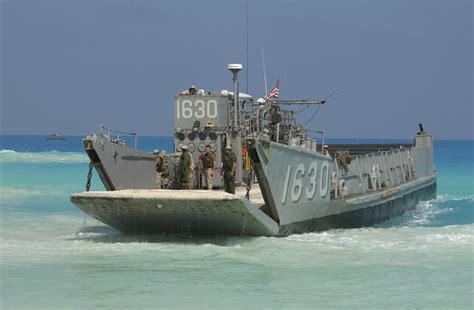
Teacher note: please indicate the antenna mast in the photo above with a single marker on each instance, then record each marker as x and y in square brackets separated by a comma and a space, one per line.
[235, 68]
[264, 73]
[247, 60]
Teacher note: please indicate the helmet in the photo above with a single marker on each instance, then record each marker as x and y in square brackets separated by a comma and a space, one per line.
[156, 152]
[184, 147]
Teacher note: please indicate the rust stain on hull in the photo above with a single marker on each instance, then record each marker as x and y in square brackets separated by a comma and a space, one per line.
[389, 192]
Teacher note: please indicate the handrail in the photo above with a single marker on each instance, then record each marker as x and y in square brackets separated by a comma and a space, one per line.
[385, 169]
[118, 133]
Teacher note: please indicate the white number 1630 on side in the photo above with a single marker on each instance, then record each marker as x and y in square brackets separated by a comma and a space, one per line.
[188, 109]
[317, 179]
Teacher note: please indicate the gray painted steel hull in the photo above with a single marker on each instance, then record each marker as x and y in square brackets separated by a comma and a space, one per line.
[190, 212]
[364, 214]
[296, 193]
[119, 166]
[299, 189]
[217, 213]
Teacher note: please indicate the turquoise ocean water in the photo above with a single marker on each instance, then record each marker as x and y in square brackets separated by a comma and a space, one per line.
[423, 259]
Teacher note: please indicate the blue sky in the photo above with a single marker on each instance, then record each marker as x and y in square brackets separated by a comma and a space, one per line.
[70, 65]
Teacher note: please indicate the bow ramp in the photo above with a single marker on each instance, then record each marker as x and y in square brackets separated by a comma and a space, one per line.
[185, 211]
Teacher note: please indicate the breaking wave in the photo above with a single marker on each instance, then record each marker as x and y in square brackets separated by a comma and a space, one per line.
[9, 194]
[446, 198]
[433, 212]
[395, 239]
[10, 156]
[425, 213]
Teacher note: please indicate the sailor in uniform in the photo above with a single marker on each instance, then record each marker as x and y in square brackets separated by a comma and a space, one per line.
[228, 170]
[209, 164]
[191, 91]
[159, 167]
[326, 151]
[186, 168]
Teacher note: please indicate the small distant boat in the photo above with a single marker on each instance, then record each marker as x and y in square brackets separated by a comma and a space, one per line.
[56, 136]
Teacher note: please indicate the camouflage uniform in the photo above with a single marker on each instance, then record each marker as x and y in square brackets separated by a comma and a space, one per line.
[186, 170]
[228, 166]
[161, 171]
[159, 167]
[199, 172]
[209, 158]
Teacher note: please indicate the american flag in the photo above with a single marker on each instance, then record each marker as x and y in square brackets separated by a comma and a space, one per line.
[275, 92]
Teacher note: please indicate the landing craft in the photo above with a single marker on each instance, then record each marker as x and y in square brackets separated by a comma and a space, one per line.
[297, 189]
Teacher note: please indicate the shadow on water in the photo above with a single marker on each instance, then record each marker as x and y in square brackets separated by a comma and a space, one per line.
[106, 234]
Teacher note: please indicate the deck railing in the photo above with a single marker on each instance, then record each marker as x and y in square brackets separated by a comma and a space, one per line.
[107, 131]
[374, 171]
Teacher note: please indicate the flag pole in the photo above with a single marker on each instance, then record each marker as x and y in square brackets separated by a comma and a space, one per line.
[264, 73]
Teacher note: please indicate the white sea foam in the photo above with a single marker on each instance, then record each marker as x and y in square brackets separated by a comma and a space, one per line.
[397, 239]
[446, 197]
[400, 260]
[10, 156]
[425, 212]
[9, 194]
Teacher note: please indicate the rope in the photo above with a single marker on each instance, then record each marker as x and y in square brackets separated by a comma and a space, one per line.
[302, 110]
[319, 106]
[314, 114]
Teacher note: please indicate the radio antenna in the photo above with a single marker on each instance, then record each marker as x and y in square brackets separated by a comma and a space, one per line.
[330, 95]
[264, 73]
[247, 59]
[323, 101]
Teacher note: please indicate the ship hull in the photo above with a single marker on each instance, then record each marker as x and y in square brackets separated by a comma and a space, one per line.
[189, 212]
[367, 213]
[217, 213]
[299, 191]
